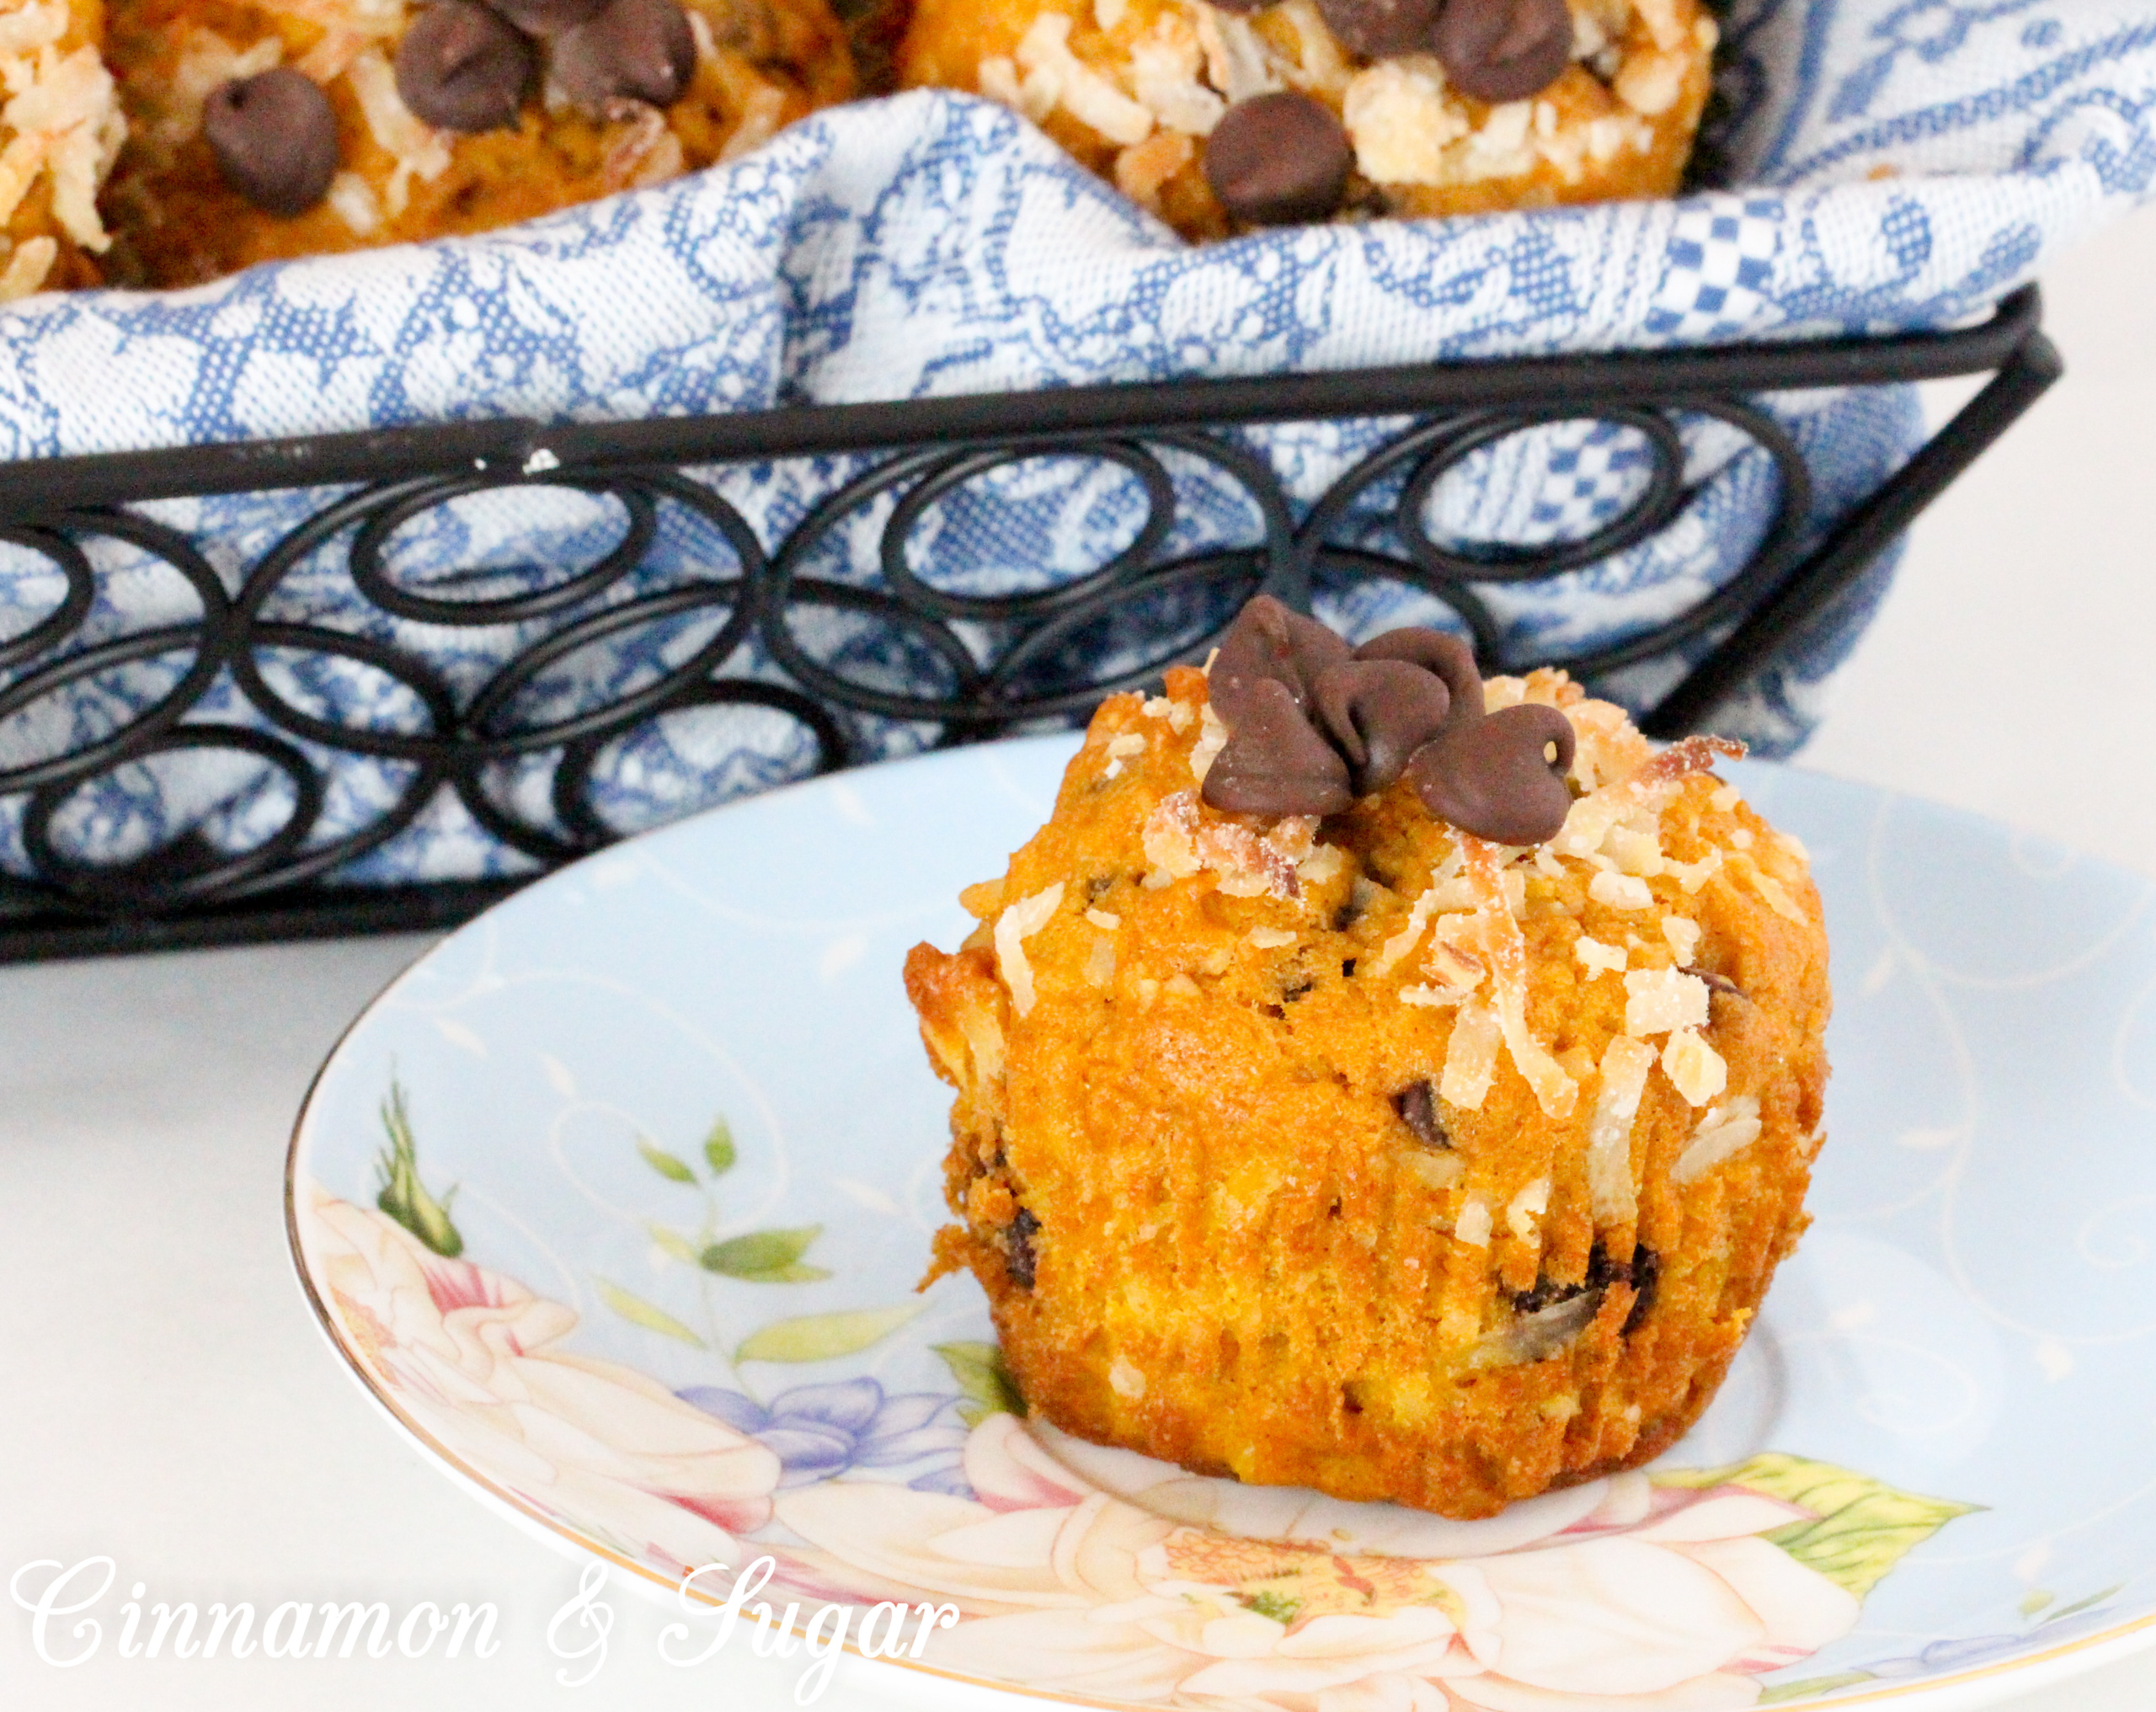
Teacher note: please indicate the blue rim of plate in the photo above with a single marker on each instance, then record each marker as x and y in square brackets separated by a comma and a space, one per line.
[1980, 1682]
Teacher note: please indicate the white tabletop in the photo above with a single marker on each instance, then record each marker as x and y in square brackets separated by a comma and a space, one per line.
[168, 1404]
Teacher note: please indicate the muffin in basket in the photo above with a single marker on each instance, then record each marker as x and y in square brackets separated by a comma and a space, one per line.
[340, 124]
[1375, 1080]
[1218, 118]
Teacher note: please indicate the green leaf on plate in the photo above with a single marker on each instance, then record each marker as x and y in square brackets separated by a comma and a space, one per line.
[2081, 1605]
[1861, 1528]
[638, 1312]
[978, 1369]
[664, 1163]
[718, 1148]
[402, 1197]
[765, 1256]
[822, 1337]
[2034, 1601]
[1811, 1686]
[674, 1243]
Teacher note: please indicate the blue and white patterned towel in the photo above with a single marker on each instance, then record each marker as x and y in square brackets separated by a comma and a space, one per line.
[1903, 165]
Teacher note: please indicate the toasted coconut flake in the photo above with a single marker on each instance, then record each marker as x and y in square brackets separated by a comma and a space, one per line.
[1272, 938]
[1683, 934]
[1691, 876]
[1397, 116]
[351, 198]
[1170, 836]
[1181, 986]
[1100, 964]
[1437, 893]
[1166, 65]
[421, 151]
[1618, 891]
[1434, 998]
[1013, 927]
[1650, 83]
[1524, 1212]
[1126, 1380]
[1470, 1058]
[1658, 1001]
[1505, 948]
[1454, 964]
[1212, 738]
[1320, 64]
[1598, 958]
[1472, 1226]
[1769, 888]
[1121, 748]
[1085, 94]
[1722, 1131]
[1438, 1170]
[1236, 63]
[1695, 1068]
[1108, 14]
[27, 267]
[1143, 169]
[1248, 866]
[1625, 1063]
[1323, 864]
[1634, 851]
[1104, 920]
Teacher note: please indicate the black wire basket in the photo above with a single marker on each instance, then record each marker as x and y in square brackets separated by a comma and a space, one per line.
[999, 662]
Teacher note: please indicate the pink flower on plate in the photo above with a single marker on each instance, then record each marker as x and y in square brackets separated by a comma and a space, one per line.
[1140, 1584]
[468, 1355]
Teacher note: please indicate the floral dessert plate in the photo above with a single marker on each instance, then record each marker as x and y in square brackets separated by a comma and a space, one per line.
[617, 1200]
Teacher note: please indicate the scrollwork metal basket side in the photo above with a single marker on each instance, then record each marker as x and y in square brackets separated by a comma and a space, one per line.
[231, 667]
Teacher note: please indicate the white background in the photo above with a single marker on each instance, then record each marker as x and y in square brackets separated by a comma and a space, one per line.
[165, 1399]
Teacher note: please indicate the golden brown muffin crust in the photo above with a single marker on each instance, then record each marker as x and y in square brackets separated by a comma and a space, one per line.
[1208, 1226]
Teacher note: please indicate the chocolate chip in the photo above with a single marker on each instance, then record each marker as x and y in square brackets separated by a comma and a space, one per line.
[1450, 657]
[1275, 761]
[1719, 983]
[1490, 777]
[1019, 1260]
[274, 136]
[1645, 1273]
[1378, 713]
[1418, 1106]
[633, 50]
[546, 17]
[1503, 49]
[462, 68]
[1267, 642]
[1277, 159]
[1378, 29]
[1347, 970]
[1296, 987]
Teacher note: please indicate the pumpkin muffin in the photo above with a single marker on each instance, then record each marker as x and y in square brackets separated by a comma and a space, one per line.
[1313, 1134]
[261, 133]
[1220, 118]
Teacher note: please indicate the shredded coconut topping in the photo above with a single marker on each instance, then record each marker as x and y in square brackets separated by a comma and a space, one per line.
[1505, 947]
[422, 152]
[1472, 1226]
[1695, 1068]
[1013, 927]
[1658, 1001]
[1080, 90]
[1722, 1131]
[64, 113]
[1625, 1063]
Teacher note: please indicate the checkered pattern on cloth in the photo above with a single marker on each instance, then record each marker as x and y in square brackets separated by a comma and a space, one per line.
[1904, 164]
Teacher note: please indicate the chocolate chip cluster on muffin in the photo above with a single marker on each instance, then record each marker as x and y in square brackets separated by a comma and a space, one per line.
[1376, 1078]
[265, 132]
[1220, 118]
[61, 129]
